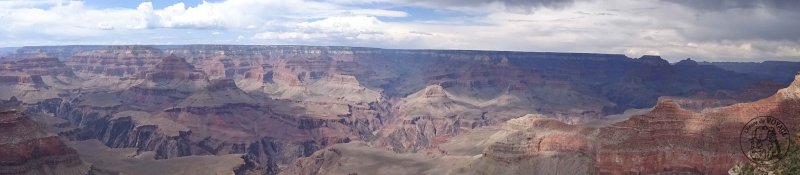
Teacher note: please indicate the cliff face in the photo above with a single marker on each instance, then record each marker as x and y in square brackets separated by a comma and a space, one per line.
[667, 139]
[536, 144]
[288, 70]
[280, 71]
[26, 147]
[36, 78]
[177, 111]
[44, 66]
[118, 61]
[266, 139]
[165, 84]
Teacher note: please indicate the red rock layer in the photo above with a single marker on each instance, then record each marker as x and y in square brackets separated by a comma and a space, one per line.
[31, 70]
[25, 147]
[10, 73]
[121, 61]
[45, 66]
[258, 74]
[173, 68]
[169, 81]
[671, 139]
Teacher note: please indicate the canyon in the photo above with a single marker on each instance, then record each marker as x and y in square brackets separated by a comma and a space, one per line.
[665, 139]
[340, 110]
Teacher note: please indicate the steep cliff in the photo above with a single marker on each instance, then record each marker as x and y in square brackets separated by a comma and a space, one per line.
[665, 139]
[36, 78]
[668, 139]
[26, 147]
[117, 61]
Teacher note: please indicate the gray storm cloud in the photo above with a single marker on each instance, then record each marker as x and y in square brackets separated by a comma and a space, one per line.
[514, 5]
[548, 3]
[716, 20]
[738, 4]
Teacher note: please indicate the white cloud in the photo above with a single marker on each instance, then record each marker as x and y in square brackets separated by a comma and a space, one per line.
[633, 28]
[103, 26]
[228, 14]
[379, 12]
[614, 26]
[346, 30]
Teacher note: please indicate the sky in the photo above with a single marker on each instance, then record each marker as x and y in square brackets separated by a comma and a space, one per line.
[708, 30]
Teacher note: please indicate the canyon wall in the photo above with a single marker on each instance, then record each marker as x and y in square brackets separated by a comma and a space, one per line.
[275, 104]
[27, 147]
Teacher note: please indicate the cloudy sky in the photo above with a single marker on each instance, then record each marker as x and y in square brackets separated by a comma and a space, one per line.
[710, 30]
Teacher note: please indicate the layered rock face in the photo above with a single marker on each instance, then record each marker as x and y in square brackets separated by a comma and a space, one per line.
[265, 138]
[425, 117]
[478, 74]
[215, 117]
[45, 66]
[35, 78]
[118, 61]
[13, 74]
[666, 140]
[137, 129]
[536, 144]
[26, 147]
[398, 73]
[549, 81]
[168, 82]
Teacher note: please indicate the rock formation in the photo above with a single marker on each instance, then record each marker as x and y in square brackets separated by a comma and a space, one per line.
[118, 61]
[36, 78]
[168, 82]
[26, 147]
[668, 139]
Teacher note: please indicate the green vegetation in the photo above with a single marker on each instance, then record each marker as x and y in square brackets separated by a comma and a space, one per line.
[790, 164]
